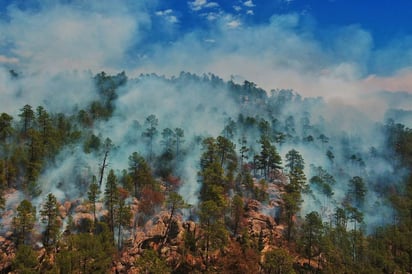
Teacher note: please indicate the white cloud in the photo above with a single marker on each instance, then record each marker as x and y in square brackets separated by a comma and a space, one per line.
[198, 5]
[237, 8]
[168, 15]
[212, 16]
[68, 37]
[249, 4]
[233, 24]
[164, 12]
[250, 12]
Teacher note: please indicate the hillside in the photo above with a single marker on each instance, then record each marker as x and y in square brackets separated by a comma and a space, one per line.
[191, 173]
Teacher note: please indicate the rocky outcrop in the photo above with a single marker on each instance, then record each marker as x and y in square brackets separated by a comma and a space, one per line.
[7, 250]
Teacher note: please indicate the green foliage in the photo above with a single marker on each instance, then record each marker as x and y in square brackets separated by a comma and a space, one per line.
[6, 127]
[311, 235]
[292, 202]
[278, 261]
[32, 141]
[174, 202]
[357, 191]
[92, 144]
[140, 173]
[151, 131]
[268, 160]
[123, 216]
[25, 261]
[214, 234]
[26, 118]
[23, 223]
[50, 216]
[237, 211]
[111, 198]
[151, 263]
[86, 253]
[92, 195]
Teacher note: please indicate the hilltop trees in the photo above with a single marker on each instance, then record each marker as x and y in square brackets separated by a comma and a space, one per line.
[246, 206]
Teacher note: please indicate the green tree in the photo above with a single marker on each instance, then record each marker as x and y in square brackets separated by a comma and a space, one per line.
[23, 223]
[294, 161]
[168, 139]
[179, 139]
[229, 129]
[291, 205]
[34, 161]
[237, 212]
[93, 195]
[278, 261]
[25, 261]
[268, 160]
[27, 118]
[323, 181]
[85, 252]
[311, 235]
[214, 231]
[107, 147]
[111, 198]
[45, 128]
[50, 216]
[151, 132]
[357, 191]
[356, 234]
[297, 178]
[150, 262]
[226, 150]
[243, 150]
[174, 202]
[140, 173]
[6, 128]
[123, 216]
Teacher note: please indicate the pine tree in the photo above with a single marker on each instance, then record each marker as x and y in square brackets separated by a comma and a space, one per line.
[140, 173]
[23, 223]
[25, 260]
[311, 235]
[174, 202]
[237, 213]
[50, 216]
[92, 195]
[6, 128]
[111, 198]
[27, 118]
[123, 215]
[179, 135]
[278, 261]
[151, 132]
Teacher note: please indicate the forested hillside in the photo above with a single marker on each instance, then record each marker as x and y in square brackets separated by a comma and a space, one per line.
[194, 174]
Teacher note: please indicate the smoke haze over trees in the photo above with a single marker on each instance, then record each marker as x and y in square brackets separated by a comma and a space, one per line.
[131, 144]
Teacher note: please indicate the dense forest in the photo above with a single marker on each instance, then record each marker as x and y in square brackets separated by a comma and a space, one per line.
[194, 174]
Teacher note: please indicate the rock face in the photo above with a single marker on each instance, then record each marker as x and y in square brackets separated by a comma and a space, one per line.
[259, 219]
[7, 250]
[182, 247]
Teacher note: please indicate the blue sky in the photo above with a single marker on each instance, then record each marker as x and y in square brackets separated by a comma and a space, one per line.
[385, 19]
[315, 46]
